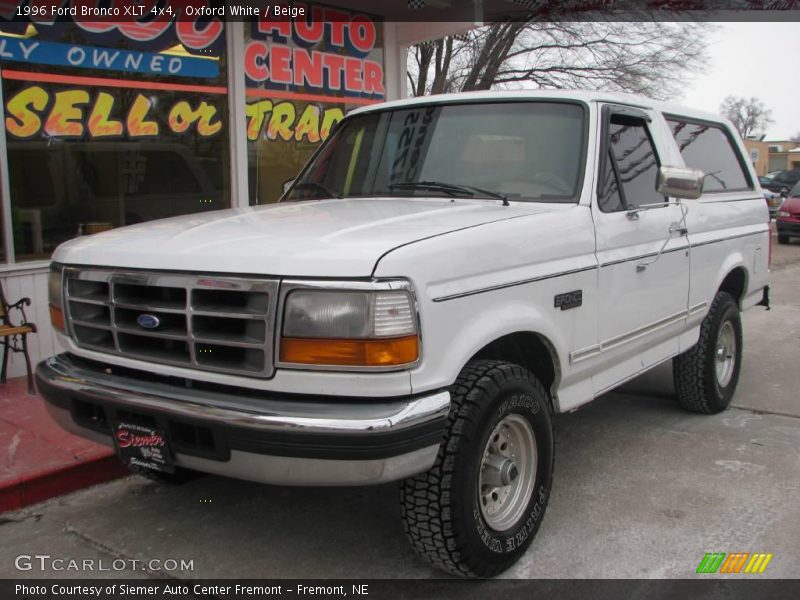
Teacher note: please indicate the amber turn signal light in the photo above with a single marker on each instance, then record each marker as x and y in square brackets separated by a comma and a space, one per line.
[352, 353]
[57, 318]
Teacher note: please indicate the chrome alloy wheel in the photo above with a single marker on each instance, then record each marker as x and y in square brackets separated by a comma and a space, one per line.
[725, 354]
[507, 472]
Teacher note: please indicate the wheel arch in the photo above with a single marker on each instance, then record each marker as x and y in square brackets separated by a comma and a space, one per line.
[532, 351]
[735, 282]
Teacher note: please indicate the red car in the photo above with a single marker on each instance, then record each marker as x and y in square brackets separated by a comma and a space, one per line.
[789, 217]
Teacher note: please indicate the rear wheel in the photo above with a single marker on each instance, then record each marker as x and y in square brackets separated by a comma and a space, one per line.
[783, 239]
[477, 510]
[706, 376]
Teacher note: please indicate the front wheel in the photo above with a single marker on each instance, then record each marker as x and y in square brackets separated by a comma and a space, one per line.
[478, 508]
[705, 376]
[783, 239]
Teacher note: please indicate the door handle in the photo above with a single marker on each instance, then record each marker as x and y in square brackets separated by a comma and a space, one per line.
[679, 229]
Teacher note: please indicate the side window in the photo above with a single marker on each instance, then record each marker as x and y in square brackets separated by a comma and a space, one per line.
[632, 166]
[710, 148]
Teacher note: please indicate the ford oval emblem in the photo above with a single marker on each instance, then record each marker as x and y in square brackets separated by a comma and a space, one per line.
[147, 321]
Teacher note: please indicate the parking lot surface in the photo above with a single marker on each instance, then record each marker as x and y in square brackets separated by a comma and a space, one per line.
[641, 489]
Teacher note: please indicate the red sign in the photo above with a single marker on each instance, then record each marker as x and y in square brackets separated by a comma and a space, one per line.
[282, 52]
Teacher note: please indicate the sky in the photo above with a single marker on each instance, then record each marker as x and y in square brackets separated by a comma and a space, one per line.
[753, 59]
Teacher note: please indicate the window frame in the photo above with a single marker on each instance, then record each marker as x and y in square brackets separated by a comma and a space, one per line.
[608, 112]
[668, 117]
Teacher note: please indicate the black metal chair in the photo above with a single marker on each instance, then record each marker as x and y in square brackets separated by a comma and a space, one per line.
[15, 337]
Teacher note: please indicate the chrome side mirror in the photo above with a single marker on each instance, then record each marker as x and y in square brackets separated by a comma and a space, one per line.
[287, 185]
[680, 182]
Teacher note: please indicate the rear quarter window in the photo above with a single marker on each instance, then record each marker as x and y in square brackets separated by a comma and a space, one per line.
[709, 147]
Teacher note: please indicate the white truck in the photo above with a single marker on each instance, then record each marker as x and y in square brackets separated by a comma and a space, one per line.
[444, 275]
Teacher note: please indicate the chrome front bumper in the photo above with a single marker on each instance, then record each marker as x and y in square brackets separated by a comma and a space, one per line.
[271, 438]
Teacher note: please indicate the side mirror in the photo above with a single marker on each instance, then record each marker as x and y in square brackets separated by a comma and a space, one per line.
[287, 185]
[680, 182]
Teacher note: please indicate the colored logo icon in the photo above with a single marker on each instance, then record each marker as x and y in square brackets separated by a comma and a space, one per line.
[735, 563]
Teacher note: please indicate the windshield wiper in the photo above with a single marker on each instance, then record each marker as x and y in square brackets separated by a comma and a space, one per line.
[317, 186]
[453, 189]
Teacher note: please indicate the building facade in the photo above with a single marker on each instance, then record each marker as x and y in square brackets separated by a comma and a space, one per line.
[766, 156]
[110, 123]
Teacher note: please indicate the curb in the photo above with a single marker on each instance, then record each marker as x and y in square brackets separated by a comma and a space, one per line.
[35, 488]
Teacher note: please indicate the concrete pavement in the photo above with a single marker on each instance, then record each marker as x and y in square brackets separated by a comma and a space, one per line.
[641, 489]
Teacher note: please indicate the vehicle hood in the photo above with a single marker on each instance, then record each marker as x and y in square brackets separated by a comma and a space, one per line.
[330, 238]
[791, 204]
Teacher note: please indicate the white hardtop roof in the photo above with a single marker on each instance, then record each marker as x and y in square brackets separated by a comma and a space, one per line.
[579, 95]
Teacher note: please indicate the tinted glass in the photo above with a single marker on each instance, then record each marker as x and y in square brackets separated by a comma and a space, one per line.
[709, 148]
[529, 151]
[302, 76]
[633, 167]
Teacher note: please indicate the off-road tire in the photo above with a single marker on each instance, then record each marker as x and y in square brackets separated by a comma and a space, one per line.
[783, 239]
[440, 510]
[694, 372]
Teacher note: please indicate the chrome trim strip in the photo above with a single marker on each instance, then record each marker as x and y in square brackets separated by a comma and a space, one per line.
[642, 256]
[287, 414]
[630, 336]
[725, 239]
[503, 286]
[693, 310]
[687, 247]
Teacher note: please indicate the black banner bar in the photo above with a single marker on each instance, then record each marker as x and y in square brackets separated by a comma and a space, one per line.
[734, 588]
[424, 11]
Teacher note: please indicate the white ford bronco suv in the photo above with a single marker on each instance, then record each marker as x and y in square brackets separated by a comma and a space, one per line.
[444, 275]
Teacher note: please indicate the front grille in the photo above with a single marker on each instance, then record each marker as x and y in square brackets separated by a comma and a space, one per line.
[206, 322]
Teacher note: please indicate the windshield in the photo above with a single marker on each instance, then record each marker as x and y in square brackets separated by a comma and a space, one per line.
[522, 151]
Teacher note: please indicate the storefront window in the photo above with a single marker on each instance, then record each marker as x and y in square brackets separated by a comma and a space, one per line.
[302, 76]
[109, 124]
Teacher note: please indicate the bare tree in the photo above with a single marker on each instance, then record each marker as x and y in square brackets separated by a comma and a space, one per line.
[650, 58]
[749, 116]
[795, 138]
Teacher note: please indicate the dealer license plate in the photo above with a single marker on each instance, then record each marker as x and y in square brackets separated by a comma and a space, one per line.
[142, 446]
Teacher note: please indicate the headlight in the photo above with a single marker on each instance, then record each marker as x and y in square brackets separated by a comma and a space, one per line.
[349, 328]
[783, 213]
[55, 293]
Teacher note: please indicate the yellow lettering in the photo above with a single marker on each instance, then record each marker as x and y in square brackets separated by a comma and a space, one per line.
[329, 119]
[182, 116]
[308, 125]
[281, 121]
[206, 125]
[256, 113]
[22, 121]
[137, 125]
[100, 122]
[66, 116]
